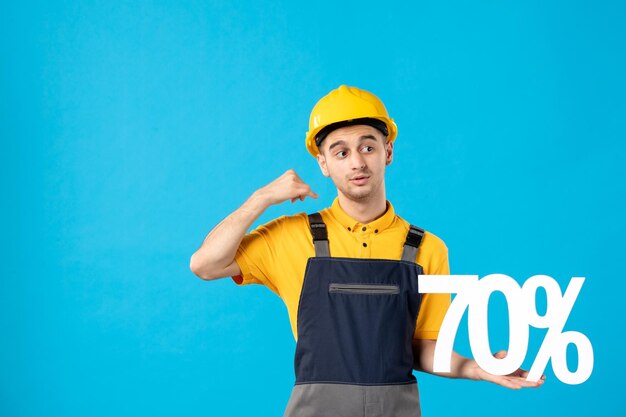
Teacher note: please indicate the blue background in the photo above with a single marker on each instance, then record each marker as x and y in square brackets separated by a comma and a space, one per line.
[130, 129]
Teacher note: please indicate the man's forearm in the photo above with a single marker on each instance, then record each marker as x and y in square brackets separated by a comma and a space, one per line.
[220, 245]
[216, 256]
[424, 353]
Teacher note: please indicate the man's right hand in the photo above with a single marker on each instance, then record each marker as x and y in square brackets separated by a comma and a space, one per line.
[288, 186]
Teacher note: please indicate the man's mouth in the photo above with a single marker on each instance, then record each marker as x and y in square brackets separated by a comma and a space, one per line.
[359, 179]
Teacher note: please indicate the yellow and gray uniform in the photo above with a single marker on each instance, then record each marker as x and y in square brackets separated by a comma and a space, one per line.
[277, 254]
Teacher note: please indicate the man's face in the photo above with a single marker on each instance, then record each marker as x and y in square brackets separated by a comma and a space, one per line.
[355, 157]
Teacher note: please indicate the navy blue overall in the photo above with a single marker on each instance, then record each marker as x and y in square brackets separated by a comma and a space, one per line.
[356, 320]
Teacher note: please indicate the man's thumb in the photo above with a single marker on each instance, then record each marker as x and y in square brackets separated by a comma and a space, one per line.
[500, 355]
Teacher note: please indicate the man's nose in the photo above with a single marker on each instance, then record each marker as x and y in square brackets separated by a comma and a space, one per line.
[357, 161]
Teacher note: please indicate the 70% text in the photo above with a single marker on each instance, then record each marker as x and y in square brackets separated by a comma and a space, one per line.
[473, 294]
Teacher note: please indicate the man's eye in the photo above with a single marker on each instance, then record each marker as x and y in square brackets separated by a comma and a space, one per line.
[340, 154]
[368, 148]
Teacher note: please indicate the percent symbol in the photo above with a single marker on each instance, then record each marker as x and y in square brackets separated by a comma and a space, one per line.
[555, 343]
[473, 294]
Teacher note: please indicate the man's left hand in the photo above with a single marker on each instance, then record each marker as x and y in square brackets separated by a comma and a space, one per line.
[514, 380]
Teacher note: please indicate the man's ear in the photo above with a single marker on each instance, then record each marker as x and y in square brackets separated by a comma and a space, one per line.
[321, 161]
[389, 152]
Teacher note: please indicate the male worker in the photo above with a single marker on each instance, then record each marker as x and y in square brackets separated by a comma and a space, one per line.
[348, 274]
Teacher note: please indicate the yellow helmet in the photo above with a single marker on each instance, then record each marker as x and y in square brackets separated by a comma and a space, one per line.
[347, 106]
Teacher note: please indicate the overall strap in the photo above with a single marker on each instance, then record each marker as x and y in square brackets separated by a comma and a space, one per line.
[412, 243]
[320, 235]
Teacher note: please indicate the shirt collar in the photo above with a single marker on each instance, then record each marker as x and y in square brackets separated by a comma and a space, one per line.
[350, 224]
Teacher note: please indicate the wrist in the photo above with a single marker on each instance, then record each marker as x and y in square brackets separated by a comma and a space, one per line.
[468, 368]
[258, 202]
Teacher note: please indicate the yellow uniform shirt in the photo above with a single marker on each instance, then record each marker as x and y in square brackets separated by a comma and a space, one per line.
[275, 254]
